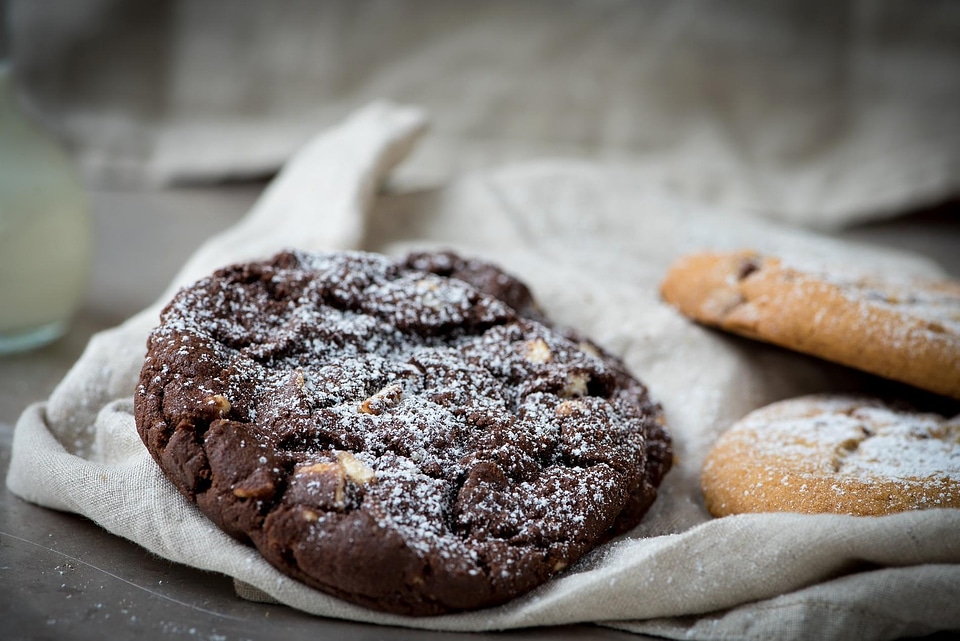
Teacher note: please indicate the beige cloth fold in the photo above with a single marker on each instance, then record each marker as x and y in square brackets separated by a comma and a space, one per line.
[593, 243]
[818, 112]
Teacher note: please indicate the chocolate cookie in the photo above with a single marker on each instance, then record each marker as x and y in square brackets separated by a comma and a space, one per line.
[834, 453]
[391, 434]
[903, 329]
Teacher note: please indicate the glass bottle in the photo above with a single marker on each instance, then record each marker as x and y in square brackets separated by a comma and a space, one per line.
[45, 230]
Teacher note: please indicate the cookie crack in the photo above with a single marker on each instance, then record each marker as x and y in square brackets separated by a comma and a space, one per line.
[848, 447]
[748, 266]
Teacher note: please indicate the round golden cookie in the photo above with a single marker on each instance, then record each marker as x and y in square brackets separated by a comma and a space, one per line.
[906, 330]
[834, 453]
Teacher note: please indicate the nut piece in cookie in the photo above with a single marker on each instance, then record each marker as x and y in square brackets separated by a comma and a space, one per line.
[836, 454]
[906, 330]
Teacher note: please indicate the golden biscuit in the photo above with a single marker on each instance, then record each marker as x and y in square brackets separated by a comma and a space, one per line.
[905, 330]
[834, 453]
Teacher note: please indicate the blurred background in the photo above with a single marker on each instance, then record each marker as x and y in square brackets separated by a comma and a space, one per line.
[820, 113]
[836, 116]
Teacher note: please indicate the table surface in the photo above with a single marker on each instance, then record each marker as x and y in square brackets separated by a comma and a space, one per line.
[62, 576]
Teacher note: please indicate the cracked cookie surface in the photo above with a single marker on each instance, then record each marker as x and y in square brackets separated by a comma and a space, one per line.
[906, 330]
[834, 453]
[403, 434]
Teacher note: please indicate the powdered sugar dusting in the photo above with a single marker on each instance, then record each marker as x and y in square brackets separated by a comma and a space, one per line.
[475, 436]
[867, 442]
[858, 442]
[935, 304]
[834, 453]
